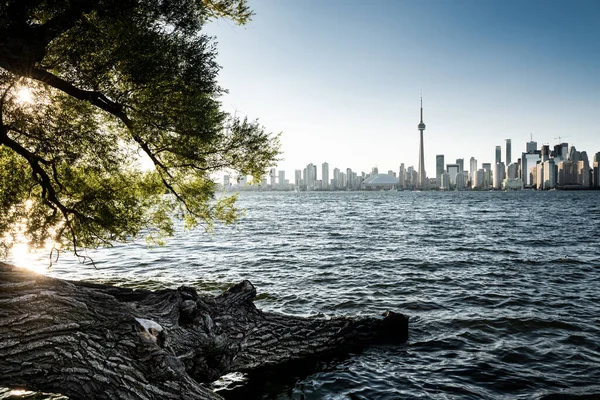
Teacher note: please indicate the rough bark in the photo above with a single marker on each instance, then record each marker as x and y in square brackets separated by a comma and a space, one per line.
[87, 340]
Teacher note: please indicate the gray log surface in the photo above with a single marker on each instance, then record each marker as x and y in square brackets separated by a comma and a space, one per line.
[92, 341]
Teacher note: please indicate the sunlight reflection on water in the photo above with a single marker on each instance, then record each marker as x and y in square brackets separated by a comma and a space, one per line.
[36, 260]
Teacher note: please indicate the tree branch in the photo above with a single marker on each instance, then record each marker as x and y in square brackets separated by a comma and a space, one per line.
[4, 129]
[104, 103]
[49, 194]
[64, 21]
[44, 180]
[96, 98]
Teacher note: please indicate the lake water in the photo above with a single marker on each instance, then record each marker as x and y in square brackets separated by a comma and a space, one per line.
[502, 288]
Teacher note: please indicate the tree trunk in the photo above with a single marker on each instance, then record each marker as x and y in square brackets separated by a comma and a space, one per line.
[87, 340]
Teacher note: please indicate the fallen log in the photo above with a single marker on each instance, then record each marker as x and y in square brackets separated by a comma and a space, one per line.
[87, 340]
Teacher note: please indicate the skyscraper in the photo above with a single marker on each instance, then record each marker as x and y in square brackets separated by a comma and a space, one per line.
[452, 170]
[350, 179]
[583, 173]
[422, 177]
[325, 176]
[460, 181]
[445, 181]
[472, 170]
[561, 151]
[337, 179]
[545, 153]
[498, 154]
[512, 171]
[574, 155]
[498, 172]
[439, 168]
[549, 181]
[508, 152]
[596, 172]
[402, 177]
[311, 176]
[411, 177]
[531, 146]
[529, 160]
[477, 182]
[298, 178]
[461, 165]
[487, 175]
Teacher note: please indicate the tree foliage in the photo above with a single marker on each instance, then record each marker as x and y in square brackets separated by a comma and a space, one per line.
[86, 86]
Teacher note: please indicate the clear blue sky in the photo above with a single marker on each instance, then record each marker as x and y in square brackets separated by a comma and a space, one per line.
[342, 78]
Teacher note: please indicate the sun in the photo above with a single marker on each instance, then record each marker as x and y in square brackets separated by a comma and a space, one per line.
[22, 256]
[24, 95]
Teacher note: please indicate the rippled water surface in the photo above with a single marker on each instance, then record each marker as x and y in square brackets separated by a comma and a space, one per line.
[503, 288]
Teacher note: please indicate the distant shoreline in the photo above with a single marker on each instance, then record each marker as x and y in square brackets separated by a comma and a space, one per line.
[249, 188]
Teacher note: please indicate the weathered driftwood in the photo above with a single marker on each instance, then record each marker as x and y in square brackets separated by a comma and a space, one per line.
[87, 340]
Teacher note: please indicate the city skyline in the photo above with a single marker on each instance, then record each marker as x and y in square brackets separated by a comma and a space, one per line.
[342, 80]
[491, 175]
[545, 168]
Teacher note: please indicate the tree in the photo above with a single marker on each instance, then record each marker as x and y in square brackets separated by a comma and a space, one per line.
[86, 86]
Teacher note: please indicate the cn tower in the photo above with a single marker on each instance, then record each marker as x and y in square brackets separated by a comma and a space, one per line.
[422, 177]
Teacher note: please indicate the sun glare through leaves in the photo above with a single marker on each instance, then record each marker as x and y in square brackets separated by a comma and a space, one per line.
[24, 95]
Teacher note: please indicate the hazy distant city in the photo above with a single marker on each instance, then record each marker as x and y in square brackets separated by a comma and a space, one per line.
[541, 168]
